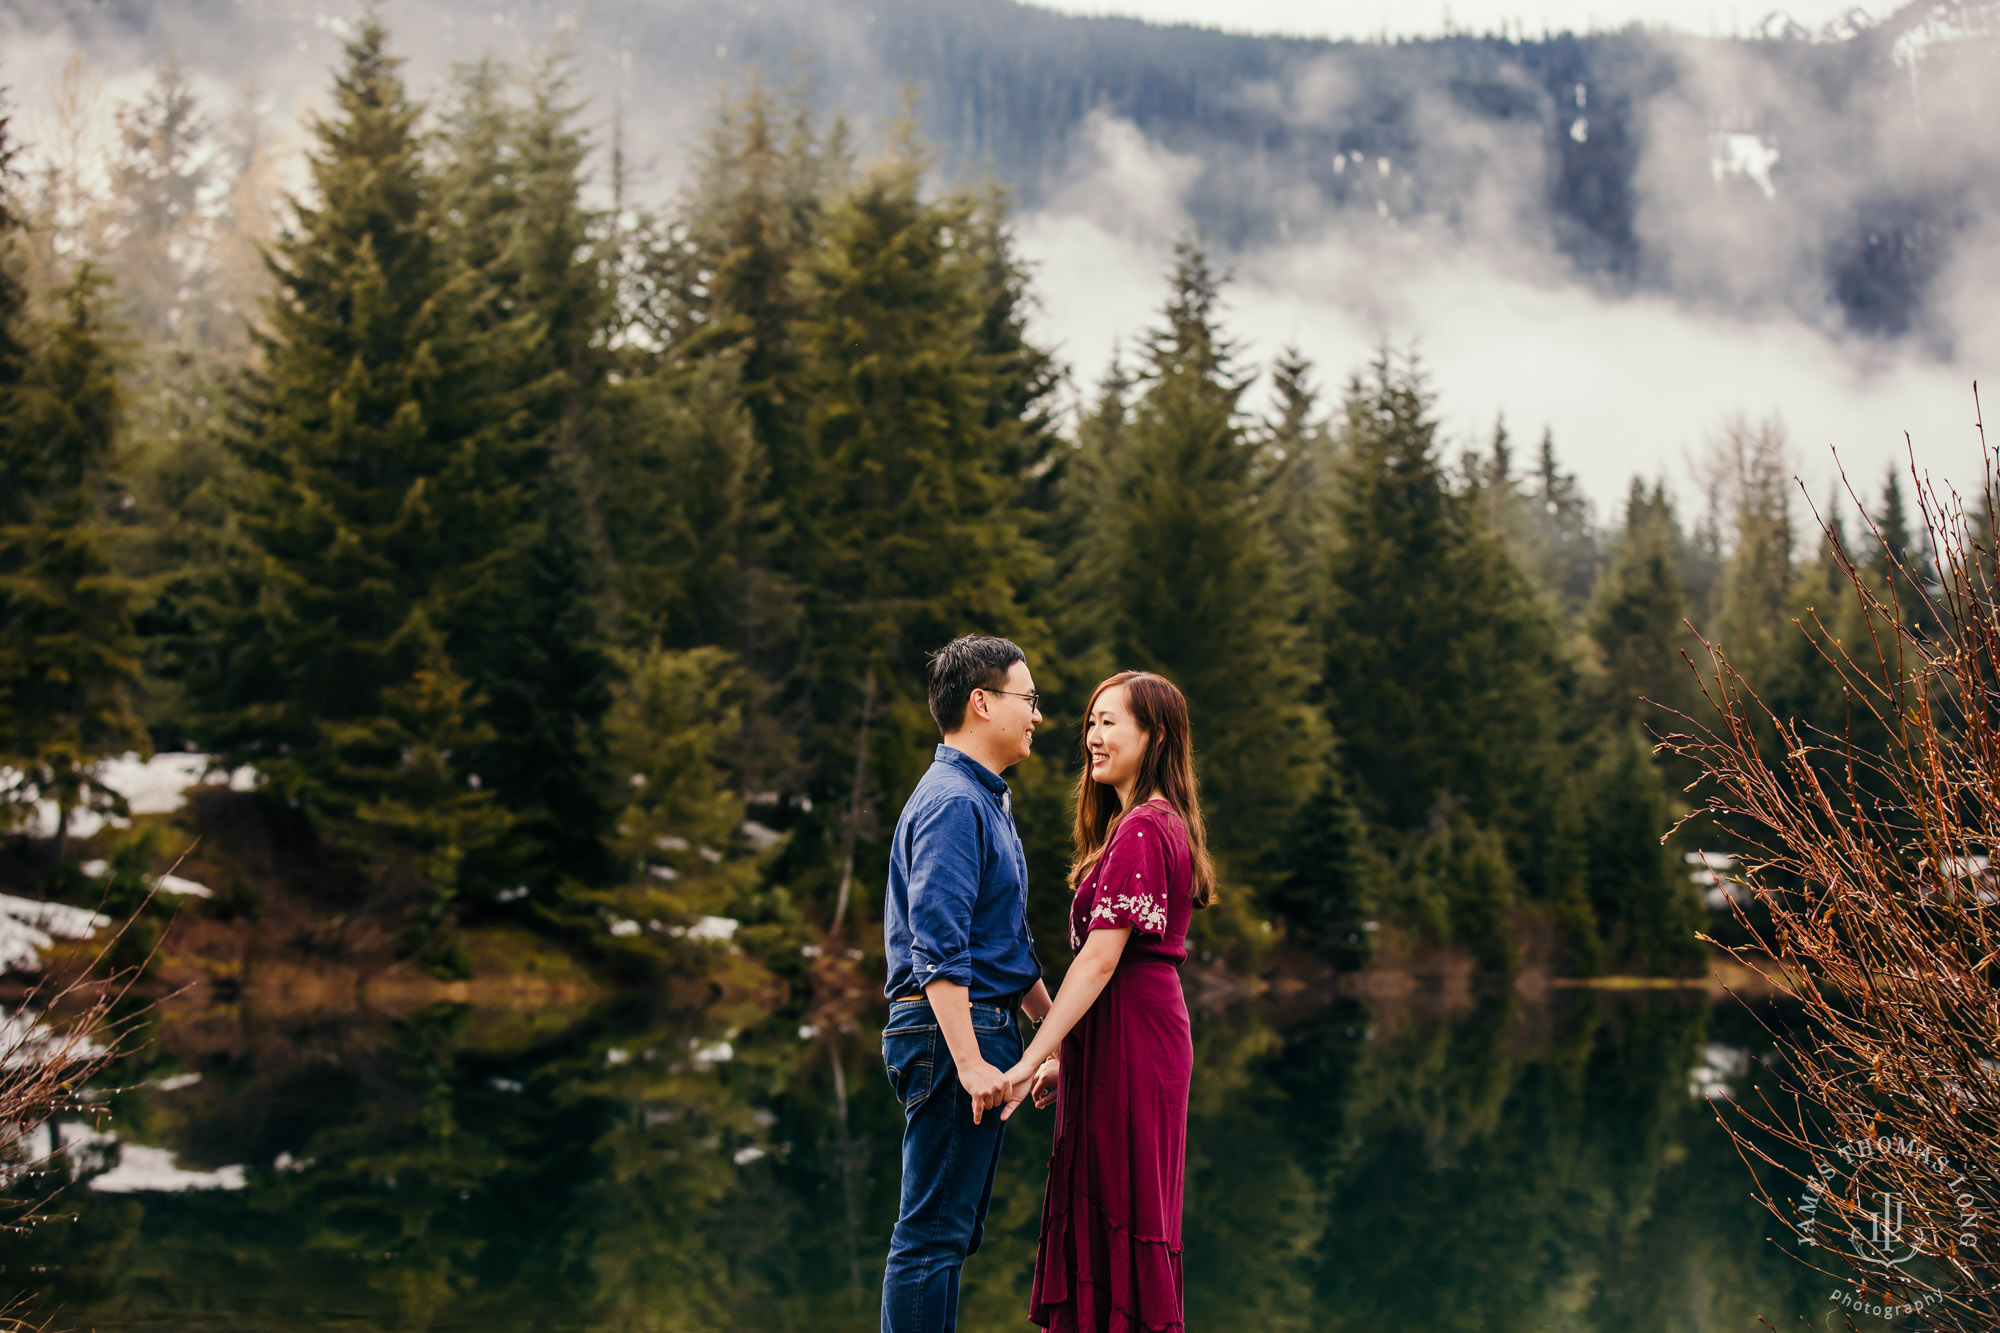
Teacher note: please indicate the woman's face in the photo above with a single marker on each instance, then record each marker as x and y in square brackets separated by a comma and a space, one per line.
[1113, 741]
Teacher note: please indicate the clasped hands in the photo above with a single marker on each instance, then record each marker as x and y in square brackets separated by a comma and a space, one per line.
[989, 1087]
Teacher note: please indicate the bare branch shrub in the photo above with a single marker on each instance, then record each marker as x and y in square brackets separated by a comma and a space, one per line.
[56, 1037]
[1874, 902]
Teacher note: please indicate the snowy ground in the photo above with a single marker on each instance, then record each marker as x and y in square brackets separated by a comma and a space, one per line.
[150, 787]
[155, 786]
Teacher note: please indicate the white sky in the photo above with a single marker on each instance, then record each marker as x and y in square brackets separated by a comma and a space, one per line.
[1423, 18]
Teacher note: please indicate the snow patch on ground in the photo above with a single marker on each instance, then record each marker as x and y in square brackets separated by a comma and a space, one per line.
[713, 929]
[152, 1170]
[761, 837]
[165, 884]
[26, 1040]
[156, 786]
[27, 927]
[707, 1055]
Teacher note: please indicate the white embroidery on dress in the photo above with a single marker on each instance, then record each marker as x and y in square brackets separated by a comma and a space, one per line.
[1145, 909]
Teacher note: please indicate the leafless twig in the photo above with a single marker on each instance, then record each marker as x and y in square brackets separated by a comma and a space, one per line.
[1869, 847]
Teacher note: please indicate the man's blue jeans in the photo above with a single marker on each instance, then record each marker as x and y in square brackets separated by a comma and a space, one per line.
[948, 1162]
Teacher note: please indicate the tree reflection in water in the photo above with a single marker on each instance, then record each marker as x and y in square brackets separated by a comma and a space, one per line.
[1503, 1166]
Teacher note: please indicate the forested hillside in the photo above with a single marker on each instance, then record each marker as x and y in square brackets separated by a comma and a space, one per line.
[1837, 176]
[577, 567]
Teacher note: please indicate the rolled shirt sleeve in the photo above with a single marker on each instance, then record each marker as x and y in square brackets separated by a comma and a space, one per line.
[945, 849]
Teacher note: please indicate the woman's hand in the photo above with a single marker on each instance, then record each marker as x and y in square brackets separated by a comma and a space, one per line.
[1024, 1081]
[1042, 1086]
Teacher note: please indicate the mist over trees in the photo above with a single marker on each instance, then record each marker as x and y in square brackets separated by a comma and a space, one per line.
[1843, 175]
[577, 565]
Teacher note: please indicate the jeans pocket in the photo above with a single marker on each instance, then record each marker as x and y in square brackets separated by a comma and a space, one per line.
[1000, 1045]
[992, 1018]
[909, 1057]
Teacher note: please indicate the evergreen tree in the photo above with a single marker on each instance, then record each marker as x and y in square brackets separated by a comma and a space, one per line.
[384, 487]
[1810, 687]
[536, 654]
[1441, 679]
[1299, 474]
[13, 291]
[688, 503]
[1567, 869]
[1455, 884]
[1756, 593]
[547, 678]
[678, 716]
[183, 338]
[1075, 539]
[1566, 550]
[1027, 376]
[159, 254]
[731, 282]
[1327, 893]
[1541, 517]
[756, 212]
[69, 656]
[1903, 567]
[1179, 574]
[900, 535]
[1645, 908]
[1637, 614]
[714, 395]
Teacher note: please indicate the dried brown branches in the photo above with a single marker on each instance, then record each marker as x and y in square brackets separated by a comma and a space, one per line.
[54, 1038]
[1866, 848]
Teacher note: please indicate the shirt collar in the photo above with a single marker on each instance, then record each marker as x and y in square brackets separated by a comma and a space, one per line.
[992, 781]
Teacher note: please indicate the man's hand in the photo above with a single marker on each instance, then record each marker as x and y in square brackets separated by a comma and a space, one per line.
[986, 1086]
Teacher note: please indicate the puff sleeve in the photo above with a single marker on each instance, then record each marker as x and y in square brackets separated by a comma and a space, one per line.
[1131, 880]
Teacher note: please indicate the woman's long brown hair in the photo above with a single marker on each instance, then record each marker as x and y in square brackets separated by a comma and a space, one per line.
[1166, 770]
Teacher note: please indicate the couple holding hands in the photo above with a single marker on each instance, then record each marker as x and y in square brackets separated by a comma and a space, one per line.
[1112, 1049]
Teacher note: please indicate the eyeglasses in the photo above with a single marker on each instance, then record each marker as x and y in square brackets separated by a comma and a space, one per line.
[1034, 697]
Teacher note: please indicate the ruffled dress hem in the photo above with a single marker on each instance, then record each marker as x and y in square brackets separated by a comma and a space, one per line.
[1140, 1290]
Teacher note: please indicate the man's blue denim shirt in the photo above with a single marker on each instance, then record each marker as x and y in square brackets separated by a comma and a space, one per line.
[957, 906]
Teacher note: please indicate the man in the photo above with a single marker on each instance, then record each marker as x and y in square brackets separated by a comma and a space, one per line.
[961, 962]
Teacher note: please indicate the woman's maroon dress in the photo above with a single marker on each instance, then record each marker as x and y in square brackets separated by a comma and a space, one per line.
[1110, 1254]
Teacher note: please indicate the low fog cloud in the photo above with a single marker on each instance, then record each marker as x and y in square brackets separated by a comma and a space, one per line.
[1744, 187]
[1630, 382]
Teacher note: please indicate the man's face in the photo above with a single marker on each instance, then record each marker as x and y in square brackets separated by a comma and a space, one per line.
[1014, 714]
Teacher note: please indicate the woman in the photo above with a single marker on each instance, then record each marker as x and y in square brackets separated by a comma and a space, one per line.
[1110, 1253]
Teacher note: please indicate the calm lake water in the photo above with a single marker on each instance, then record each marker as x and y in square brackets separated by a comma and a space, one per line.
[1506, 1166]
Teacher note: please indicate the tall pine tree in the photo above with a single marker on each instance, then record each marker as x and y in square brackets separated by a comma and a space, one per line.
[900, 537]
[1644, 905]
[1903, 564]
[1754, 606]
[69, 655]
[1178, 572]
[1440, 672]
[1637, 614]
[384, 487]
[1327, 894]
[1299, 473]
[531, 639]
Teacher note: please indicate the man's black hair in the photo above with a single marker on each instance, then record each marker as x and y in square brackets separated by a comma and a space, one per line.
[970, 662]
